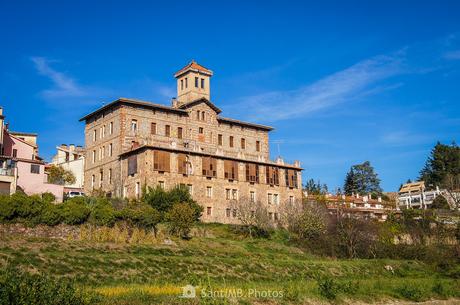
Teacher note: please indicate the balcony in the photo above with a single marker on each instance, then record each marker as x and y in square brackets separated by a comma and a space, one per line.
[6, 171]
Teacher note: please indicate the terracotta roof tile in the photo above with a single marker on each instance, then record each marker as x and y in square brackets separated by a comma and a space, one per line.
[193, 65]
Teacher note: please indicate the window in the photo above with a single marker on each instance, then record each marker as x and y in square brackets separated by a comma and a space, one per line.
[203, 116]
[196, 82]
[111, 128]
[219, 140]
[103, 131]
[270, 215]
[161, 161]
[93, 178]
[209, 166]
[100, 133]
[291, 178]
[252, 173]
[94, 135]
[200, 130]
[133, 125]
[190, 189]
[257, 145]
[208, 210]
[182, 164]
[167, 130]
[110, 176]
[234, 213]
[269, 198]
[202, 83]
[138, 189]
[161, 184]
[15, 153]
[35, 168]
[228, 193]
[235, 194]
[291, 199]
[101, 178]
[94, 156]
[230, 170]
[272, 175]
[179, 132]
[110, 150]
[275, 215]
[209, 191]
[275, 198]
[132, 165]
[153, 128]
[228, 212]
[231, 141]
[102, 152]
[186, 82]
[243, 143]
[182, 84]
[252, 196]
[125, 191]
[198, 115]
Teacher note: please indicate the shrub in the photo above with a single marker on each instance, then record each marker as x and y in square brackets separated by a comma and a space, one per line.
[103, 214]
[22, 288]
[48, 197]
[51, 215]
[411, 293]
[180, 219]
[7, 208]
[75, 211]
[158, 199]
[328, 288]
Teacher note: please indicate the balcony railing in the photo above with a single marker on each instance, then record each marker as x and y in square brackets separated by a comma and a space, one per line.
[6, 171]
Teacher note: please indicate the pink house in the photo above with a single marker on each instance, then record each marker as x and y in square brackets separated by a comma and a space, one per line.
[19, 152]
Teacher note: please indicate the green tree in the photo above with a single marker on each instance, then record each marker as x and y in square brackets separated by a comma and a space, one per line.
[315, 188]
[180, 219]
[444, 161]
[58, 175]
[362, 179]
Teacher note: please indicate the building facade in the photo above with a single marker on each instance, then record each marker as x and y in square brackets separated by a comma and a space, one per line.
[71, 158]
[132, 143]
[415, 195]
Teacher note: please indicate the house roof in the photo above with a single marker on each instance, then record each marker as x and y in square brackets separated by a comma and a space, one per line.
[412, 187]
[134, 102]
[25, 134]
[200, 100]
[246, 124]
[21, 140]
[193, 66]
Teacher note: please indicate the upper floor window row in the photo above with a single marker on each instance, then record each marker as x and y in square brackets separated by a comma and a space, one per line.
[220, 142]
[103, 131]
[200, 115]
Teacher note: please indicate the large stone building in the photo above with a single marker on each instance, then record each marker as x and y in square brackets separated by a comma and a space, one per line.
[132, 143]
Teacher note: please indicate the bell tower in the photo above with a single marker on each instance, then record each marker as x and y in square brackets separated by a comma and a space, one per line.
[193, 82]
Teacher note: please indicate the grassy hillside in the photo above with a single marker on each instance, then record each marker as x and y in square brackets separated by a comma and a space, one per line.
[266, 271]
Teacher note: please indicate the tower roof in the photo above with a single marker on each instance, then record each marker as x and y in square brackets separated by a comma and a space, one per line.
[193, 66]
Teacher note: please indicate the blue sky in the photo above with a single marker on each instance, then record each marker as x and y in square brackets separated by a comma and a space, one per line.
[342, 82]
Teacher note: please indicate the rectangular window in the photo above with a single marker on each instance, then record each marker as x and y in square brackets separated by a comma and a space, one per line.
[181, 84]
[198, 115]
[234, 213]
[110, 150]
[272, 175]
[103, 131]
[101, 178]
[275, 215]
[110, 176]
[102, 152]
[94, 156]
[252, 196]
[93, 179]
[228, 194]
[208, 211]
[132, 165]
[275, 198]
[161, 161]
[200, 130]
[153, 128]
[203, 116]
[228, 212]
[209, 167]
[35, 169]
[133, 125]
[100, 133]
[209, 191]
[182, 164]
[161, 184]
[179, 132]
[257, 145]
[190, 189]
[243, 143]
[167, 130]
[196, 82]
[269, 198]
[235, 194]
[186, 82]
[291, 178]
[252, 173]
[94, 135]
[231, 141]
[202, 83]
[230, 170]
[138, 190]
[270, 215]
[291, 199]
[15, 153]
[219, 140]
[111, 128]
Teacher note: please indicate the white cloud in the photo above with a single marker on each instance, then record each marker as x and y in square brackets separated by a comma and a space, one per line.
[343, 86]
[453, 55]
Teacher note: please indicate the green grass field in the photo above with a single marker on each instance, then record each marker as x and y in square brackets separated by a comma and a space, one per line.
[233, 269]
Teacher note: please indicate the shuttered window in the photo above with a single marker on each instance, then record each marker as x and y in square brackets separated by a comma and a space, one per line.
[153, 128]
[291, 178]
[231, 170]
[209, 166]
[252, 173]
[179, 132]
[243, 143]
[231, 141]
[167, 130]
[132, 165]
[161, 161]
[219, 140]
[182, 164]
[257, 145]
[272, 175]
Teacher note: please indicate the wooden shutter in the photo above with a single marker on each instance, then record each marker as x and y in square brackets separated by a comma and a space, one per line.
[252, 173]
[132, 165]
[209, 166]
[182, 164]
[272, 175]
[161, 161]
[231, 169]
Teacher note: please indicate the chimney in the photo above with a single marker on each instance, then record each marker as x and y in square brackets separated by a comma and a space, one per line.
[379, 199]
[1, 111]
[357, 195]
[174, 103]
[297, 163]
[72, 147]
[366, 198]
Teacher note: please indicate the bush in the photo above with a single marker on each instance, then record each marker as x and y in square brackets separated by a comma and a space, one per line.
[180, 219]
[51, 215]
[411, 293]
[7, 208]
[75, 211]
[328, 288]
[103, 214]
[48, 197]
[22, 288]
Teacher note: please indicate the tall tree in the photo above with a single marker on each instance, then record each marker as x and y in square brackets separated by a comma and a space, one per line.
[315, 188]
[362, 179]
[442, 165]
